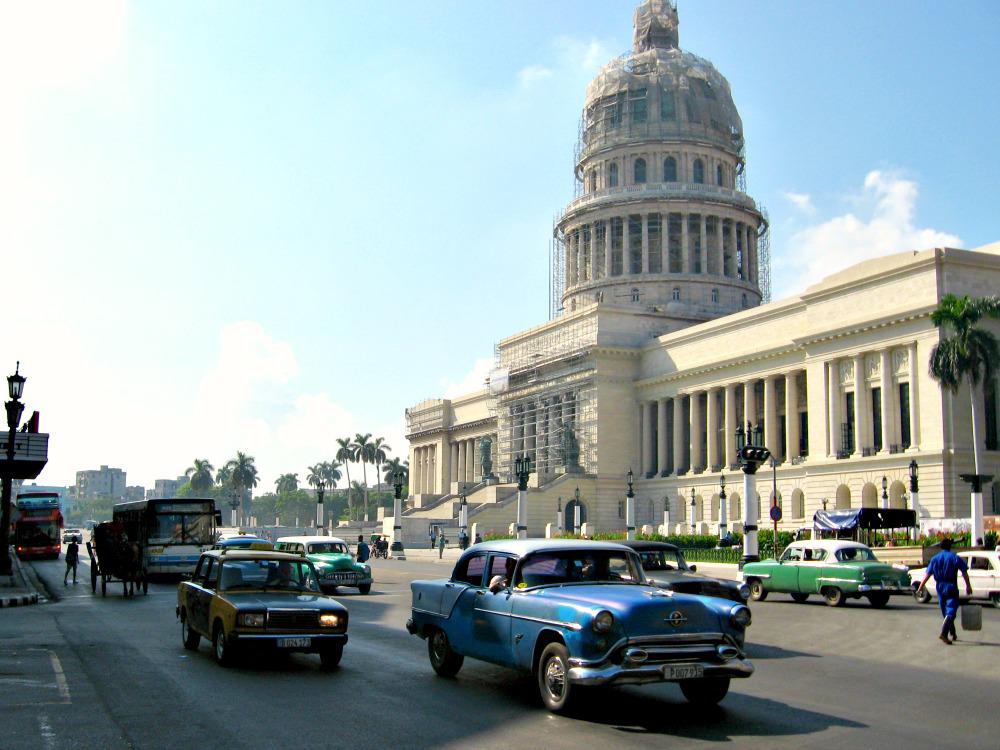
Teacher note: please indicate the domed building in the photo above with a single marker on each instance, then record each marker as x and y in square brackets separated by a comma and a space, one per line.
[659, 346]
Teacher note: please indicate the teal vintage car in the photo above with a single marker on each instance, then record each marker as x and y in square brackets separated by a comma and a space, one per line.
[333, 560]
[835, 569]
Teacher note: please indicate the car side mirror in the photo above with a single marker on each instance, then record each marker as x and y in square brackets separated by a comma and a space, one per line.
[693, 568]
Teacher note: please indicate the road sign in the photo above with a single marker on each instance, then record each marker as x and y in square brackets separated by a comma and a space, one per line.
[775, 513]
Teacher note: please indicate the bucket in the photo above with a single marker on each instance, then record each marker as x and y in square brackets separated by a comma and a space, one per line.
[972, 617]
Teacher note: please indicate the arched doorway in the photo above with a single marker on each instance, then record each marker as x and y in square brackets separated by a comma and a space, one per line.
[798, 504]
[735, 506]
[869, 496]
[897, 495]
[699, 509]
[843, 497]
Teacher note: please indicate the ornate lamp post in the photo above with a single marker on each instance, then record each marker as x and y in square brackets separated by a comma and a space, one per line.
[914, 490]
[666, 515]
[320, 491]
[463, 523]
[693, 519]
[522, 468]
[559, 516]
[885, 493]
[723, 514]
[397, 517]
[751, 455]
[629, 508]
[15, 387]
[234, 503]
[577, 512]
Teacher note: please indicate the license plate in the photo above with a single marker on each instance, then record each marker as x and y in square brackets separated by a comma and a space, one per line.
[686, 672]
[344, 577]
[294, 642]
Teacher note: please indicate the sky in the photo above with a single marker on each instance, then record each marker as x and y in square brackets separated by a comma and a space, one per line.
[261, 226]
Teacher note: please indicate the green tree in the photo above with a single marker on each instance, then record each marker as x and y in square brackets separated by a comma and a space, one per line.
[200, 475]
[394, 466]
[379, 454]
[242, 473]
[356, 499]
[345, 454]
[362, 447]
[972, 356]
[287, 483]
[331, 473]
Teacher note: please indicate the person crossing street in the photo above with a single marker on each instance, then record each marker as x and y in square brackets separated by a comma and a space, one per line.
[945, 567]
[72, 560]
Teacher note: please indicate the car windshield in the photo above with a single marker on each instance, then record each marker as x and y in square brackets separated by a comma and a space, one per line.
[855, 554]
[578, 566]
[662, 559]
[297, 575]
[319, 548]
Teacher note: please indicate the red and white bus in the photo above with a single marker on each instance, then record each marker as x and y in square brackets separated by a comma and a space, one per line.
[37, 525]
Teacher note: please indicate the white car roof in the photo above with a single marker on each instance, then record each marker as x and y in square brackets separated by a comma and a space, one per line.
[310, 539]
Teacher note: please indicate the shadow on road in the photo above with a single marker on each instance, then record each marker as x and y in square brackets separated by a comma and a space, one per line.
[764, 651]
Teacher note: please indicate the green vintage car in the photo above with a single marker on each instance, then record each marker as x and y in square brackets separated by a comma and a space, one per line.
[835, 569]
[333, 560]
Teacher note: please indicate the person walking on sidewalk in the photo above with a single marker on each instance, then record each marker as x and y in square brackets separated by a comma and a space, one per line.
[945, 566]
[72, 558]
[441, 543]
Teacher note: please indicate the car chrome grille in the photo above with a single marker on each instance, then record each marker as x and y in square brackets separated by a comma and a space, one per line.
[672, 651]
[292, 619]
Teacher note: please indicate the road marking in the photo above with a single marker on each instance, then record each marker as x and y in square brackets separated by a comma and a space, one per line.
[60, 677]
[48, 735]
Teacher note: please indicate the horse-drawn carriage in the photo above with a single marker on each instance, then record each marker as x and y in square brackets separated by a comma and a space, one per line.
[113, 557]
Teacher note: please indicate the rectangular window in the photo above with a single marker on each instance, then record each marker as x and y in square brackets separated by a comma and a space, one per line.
[704, 88]
[616, 247]
[692, 110]
[990, 407]
[585, 260]
[877, 418]
[640, 110]
[694, 237]
[653, 231]
[904, 414]
[740, 255]
[668, 105]
[849, 424]
[674, 242]
[804, 433]
[635, 244]
[600, 238]
[727, 248]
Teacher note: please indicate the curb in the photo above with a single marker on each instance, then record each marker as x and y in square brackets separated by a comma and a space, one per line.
[30, 583]
[18, 601]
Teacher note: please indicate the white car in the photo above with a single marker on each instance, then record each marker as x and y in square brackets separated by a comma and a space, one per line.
[984, 573]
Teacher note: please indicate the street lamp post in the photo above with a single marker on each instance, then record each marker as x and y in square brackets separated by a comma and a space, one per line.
[885, 493]
[914, 491]
[15, 388]
[693, 519]
[577, 512]
[234, 503]
[559, 516]
[630, 508]
[666, 515]
[522, 467]
[320, 490]
[397, 517]
[463, 523]
[752, 454]
[723, 514]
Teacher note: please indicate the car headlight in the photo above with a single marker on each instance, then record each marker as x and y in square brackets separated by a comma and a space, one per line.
[330, 621]
[603, 621]
[744, 591]
[368, 570]
[254, 620]
[740, 616]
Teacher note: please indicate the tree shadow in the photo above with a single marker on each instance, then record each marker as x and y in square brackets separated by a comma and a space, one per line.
[765, 651]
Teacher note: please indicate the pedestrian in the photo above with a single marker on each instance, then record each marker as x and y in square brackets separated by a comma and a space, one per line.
[463, 540]
[363, 552]
[441, 543]
[72, 558]
[479, 538]
[945, 566]
[433, 535]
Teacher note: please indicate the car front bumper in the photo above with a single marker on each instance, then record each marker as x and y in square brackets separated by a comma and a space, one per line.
[269, 641]
[622, 674]
[330, 583]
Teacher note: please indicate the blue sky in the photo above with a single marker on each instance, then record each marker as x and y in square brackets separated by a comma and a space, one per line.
[261, 226]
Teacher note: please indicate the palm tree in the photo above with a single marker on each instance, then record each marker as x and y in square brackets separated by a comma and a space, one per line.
[242, 475]
[223, 475]
[287, 483]
[330, 471]
[200, 475]
[972, 355]
[315, 475]
[357, 494]
[345, 454]
[394, 466]
[380, 451]
[362, 447]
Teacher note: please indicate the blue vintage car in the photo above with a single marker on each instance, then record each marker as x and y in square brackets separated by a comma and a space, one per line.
[576, 612]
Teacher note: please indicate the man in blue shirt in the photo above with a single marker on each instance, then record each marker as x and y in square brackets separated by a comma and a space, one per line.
[945, 567]
[363, 551]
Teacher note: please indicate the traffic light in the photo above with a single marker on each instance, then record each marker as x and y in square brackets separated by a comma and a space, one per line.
[757, 454]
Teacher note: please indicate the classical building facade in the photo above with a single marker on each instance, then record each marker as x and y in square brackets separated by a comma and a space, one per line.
[662, 345]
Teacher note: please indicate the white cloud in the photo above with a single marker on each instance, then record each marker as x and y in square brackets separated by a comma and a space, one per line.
[587, 55]
[473, 381]
[532, 74]
[882, 223]
[802, 201]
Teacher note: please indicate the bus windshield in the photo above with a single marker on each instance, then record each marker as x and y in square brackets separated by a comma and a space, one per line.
[36, 533]
[181, 528]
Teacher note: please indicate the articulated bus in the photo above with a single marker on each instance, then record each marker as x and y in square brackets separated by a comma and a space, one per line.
[172, 531]
[37, 525]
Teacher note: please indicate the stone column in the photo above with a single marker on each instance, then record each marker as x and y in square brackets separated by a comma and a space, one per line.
[749, 401]
[704, 244]
[792, 415]
[771, 418]
[662, 457]
[647, 437]
[418, 459]
[730, 439]
[696, 444]
[607, 247]
[859, 400]
[886, 401]
[470, 459]
[911, 352]
[720, 253]
[833, 405]
[462, 448]
[685, 246]
[432, 472]
[593, 251]
[454, 462]
[678, 439]
[711, 428]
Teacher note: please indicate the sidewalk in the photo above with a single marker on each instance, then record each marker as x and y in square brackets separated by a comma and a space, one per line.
[21, 587]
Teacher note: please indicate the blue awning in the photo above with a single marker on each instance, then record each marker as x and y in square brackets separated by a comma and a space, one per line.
[850, 519]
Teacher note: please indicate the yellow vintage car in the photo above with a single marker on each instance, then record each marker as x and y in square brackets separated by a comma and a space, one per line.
[258, 599]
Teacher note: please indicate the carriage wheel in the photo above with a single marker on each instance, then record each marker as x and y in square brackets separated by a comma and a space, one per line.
[93, 578]
[104, 585]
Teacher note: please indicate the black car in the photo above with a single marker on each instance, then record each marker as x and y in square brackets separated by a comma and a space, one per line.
[665, 566]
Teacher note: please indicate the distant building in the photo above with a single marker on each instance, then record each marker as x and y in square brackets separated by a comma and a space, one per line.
[96, 482]
[165, 488]
[135, 492]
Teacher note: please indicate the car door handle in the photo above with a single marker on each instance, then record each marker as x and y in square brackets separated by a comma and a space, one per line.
[480, 592]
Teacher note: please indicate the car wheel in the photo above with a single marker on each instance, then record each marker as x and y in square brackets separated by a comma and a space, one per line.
[222, 650]
[189, 635]
[878, 599]
[365, 589]
[553, 678]
[330, 656]
[995, 598]
[833, 596]
[706, 691]
[757, 591]
[445, 661]
[922, 598]
[799, 597]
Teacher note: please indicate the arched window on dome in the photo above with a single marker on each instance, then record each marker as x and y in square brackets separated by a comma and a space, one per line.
[699, 171]
[675, 295]
[635, 294]
[640, 171]
[613, 174]
[670, 169]
[718, 174]
[593, 180]
[715, 296]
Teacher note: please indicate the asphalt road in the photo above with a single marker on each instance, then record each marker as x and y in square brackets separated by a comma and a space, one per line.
[87, 671]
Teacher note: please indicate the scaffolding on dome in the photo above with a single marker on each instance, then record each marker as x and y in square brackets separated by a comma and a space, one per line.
[764, 257]
[543, 395]
[557, 272]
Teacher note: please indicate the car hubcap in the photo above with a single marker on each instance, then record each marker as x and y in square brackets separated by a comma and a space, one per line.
[555, 678]
[439, 648]
[220, 646]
